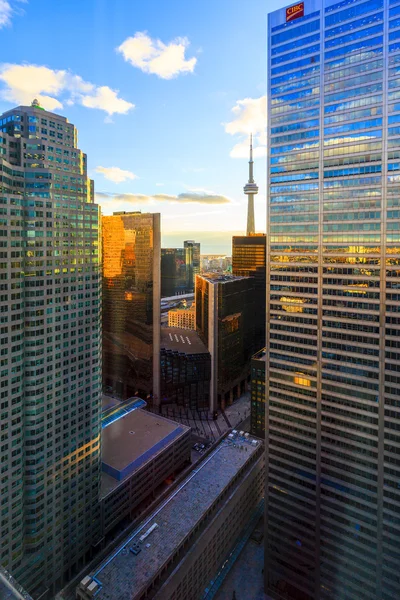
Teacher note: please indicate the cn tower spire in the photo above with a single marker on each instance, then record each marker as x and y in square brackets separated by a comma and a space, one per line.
[250, 189]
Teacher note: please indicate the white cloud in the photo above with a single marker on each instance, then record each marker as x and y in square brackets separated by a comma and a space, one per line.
[115, 174]
[5, 13]
[106, 99]
[23, 83]
[185, 198]
[249, 116]
[153, 56]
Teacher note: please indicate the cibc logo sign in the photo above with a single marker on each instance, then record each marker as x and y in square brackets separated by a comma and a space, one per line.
[295, 11]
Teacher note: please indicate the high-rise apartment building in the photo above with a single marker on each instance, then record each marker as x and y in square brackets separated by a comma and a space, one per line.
[50, 356]
[333, 256]
[131, 304]
[249, 260]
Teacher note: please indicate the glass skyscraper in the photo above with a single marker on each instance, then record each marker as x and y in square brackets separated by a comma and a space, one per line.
[50, 350]
[333, 324]
[225, 323]
[131, 304]
[173, 272]
[249, 260]
[192, 257]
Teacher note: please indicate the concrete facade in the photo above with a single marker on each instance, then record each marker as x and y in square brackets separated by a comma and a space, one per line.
[177, 550]
[185, 318]
[139, 452]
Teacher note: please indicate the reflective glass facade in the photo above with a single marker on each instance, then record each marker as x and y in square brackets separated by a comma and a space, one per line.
[179, 267]
[333, 256]
[173, 272]
[225, 324]
[249, 260]
[257, 413]
[50, 350]
[131, 305]
[192, 257]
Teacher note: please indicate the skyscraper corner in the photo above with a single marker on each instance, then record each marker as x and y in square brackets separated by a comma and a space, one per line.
[333, 259]
[50, 354]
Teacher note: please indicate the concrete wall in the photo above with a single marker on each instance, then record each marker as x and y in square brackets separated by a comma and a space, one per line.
[203, 559]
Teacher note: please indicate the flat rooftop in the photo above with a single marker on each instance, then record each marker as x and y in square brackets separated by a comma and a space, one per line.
[183, 309]
[219, 278]
[260, 355]
[166, 299]
[10, 589]
[182, 340]
[129, 442]
[124, 575]
[109, 402]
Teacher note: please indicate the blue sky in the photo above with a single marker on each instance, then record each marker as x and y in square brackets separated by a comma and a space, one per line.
[163, 94]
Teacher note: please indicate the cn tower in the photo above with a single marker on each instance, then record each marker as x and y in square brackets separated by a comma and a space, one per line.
[250, 189]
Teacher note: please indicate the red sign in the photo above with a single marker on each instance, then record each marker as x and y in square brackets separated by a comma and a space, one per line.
[295, 11]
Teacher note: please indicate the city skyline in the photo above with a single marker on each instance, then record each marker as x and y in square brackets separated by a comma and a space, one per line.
[279, 364]
[147, 150]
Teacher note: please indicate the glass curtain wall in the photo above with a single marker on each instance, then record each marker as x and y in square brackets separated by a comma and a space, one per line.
[333, 347]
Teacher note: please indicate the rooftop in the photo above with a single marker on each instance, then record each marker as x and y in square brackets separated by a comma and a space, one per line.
[182, 340]
[252, 239]
[127, 212]
[33, 106]
[124, 575]
[190, 308]
[109, 402]
[129, 442]
[219, 278]
[260, 355]
[10, 589]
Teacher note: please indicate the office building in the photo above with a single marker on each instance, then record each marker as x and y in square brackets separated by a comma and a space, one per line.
[10, 589]
[50, 356]
[257, 406]
[225, 323]
[184, 318]
[192, 258]
[140, 451]
[131, 305]
[185, 369]
[177, 550]
[179, 267]
[249, 260]
[333, 259]
[173, 272]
